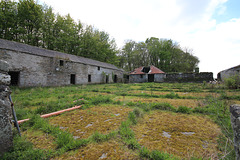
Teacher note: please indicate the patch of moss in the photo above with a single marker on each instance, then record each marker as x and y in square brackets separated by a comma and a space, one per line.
[106, 150]
[182, 135]
[83, 123]
[40, 139]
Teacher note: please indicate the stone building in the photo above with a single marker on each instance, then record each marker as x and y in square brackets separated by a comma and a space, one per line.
[147, 74]
[32, 66]
[228, 72]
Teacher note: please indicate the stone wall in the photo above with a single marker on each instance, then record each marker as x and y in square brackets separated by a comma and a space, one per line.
[6, 136]
[235, 120]
[189, 77]
[34, 70]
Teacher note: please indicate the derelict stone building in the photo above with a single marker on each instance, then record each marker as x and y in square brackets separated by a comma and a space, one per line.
[34, 66]
[228, 73]
[147, 74]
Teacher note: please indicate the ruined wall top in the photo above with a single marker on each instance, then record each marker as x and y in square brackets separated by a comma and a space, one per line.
[5, 79]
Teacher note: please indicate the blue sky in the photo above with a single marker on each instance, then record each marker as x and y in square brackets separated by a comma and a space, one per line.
[209, 27]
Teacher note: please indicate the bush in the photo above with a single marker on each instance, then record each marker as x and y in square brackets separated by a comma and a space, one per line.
[233, 82]
[184, 109]
[163, 106]
[172, 95]
[138, 112]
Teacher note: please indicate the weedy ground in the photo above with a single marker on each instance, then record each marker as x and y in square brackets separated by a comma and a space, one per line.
[125, 121]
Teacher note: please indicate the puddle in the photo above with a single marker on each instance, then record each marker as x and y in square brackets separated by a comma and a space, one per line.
[188, 133]
[103, 156]
[89, 125]
[166, 134]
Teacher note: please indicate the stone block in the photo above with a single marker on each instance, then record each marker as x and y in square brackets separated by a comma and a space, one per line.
[5, 79]
[4, 66]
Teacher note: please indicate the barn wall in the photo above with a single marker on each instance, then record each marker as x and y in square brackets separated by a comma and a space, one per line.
[228, 73]
[138, 78]
[46, 71]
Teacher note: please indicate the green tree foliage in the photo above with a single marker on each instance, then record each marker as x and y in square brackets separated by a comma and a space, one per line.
[8, 14]
[29, 21]
[162, 53]
[37, 25]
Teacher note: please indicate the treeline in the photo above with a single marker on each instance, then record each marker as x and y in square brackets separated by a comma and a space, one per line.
[34, 24]
[162, 53]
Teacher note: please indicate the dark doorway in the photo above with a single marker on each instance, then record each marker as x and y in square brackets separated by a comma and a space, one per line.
[73, 79]
[115, 79]
[107, 78]
[14, 78]
[89, 78]
[151, 78]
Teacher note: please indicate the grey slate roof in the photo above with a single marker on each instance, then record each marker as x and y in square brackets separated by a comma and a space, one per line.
[20, 47]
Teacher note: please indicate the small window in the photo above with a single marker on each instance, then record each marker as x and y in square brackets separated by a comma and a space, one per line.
[141, 76]
[98, 68]
[61, 62]
[89, 78]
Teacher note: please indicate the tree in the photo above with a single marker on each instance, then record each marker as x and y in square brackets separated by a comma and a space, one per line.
[30, 21]
[8, 14]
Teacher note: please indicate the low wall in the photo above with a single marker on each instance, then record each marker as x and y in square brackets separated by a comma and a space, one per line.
[189, 77]
[235, 120]
[6, 135]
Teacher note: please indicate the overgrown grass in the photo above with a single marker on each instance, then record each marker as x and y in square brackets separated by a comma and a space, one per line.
[30, 102]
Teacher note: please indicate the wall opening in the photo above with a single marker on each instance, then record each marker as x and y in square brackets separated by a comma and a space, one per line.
[73, 79]
[89, 78]
[61, 62]
[150, 77]
[98, 68]
[14, 78]
[146, 69]
[107, 78]
[115, 79]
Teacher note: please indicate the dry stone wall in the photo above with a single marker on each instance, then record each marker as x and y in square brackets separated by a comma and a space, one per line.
[235, 120]
[6, 136]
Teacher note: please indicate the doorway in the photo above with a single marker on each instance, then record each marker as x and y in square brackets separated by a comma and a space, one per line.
[150, 77]
[14, 78]
[107, 78]
[115, 79]
[73, 79]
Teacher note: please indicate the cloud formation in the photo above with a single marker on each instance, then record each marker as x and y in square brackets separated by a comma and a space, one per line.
[191, 23]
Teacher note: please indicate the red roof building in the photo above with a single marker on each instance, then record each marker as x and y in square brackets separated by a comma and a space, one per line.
[147, 70]
[147, 74]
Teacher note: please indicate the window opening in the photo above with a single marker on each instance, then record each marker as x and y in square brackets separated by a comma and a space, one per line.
[99, 68]
[141, 75]
[73, 79]
[14, 78]
[89, 78]
[61, 62]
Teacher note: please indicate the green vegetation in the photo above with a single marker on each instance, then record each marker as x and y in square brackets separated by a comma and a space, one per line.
[26, 21]
[119, 119]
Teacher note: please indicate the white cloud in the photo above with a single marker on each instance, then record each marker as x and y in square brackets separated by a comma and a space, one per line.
[186, 21]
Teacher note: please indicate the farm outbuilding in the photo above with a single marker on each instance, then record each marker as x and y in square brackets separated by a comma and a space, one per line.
[228, 72]
[147, 74]
[34, 66]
